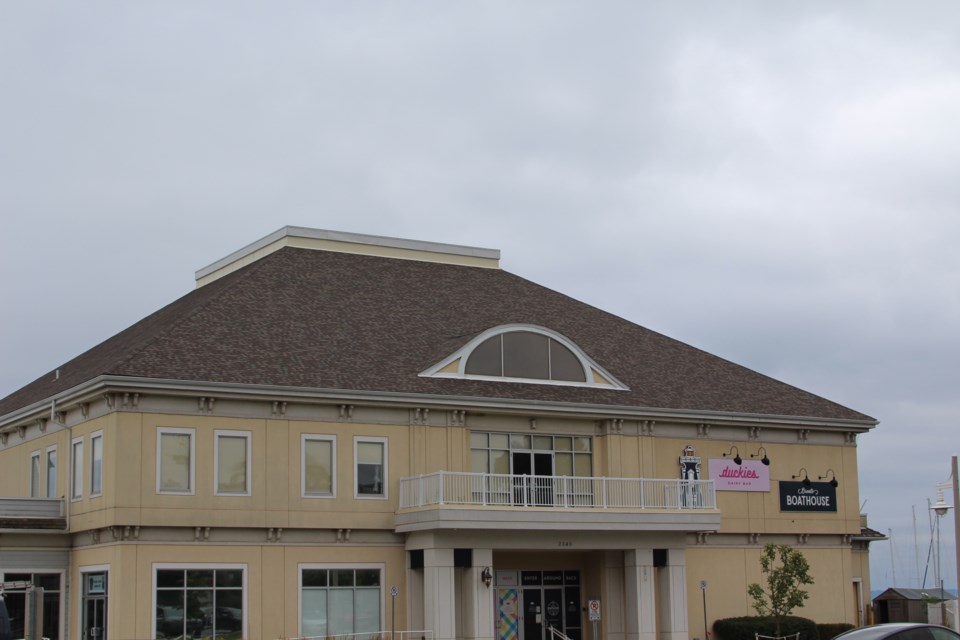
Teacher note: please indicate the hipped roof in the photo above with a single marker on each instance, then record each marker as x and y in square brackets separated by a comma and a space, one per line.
[338, 321]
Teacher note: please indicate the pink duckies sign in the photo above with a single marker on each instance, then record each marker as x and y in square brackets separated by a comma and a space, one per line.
[750, 475]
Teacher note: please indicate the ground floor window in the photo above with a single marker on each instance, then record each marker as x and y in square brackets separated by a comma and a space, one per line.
[16, 602]
[199, 602]
[336, 600]
[96, 590]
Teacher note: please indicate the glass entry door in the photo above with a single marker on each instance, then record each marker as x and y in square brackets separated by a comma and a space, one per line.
[94, 622]
[549, 599]
[535, 488]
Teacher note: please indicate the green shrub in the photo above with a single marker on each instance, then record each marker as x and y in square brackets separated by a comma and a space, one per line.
[746, 628]
[833, 629]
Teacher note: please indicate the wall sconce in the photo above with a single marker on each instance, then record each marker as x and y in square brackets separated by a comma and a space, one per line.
[832, 476]
[765, 460]
[486, 577]
[737, 460]
[806, 477]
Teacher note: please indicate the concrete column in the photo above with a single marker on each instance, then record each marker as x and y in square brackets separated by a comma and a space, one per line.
[640, 595]
[478, 600]
[673, 597]
[612, 598]
[439, 593]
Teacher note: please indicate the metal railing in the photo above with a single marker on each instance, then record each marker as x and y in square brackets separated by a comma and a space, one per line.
[558, 492]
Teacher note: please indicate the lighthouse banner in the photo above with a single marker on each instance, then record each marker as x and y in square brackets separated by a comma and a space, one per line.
[749, 475]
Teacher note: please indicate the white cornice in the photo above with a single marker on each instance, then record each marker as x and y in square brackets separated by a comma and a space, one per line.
[109, 383]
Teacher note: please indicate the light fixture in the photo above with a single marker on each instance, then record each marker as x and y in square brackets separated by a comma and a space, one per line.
[737, 460]
[832, 476]
[486, 577]
[940, 507]
[765, 460]
[804, 475]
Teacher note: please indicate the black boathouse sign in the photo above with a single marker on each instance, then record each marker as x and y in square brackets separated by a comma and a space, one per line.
[815, 496]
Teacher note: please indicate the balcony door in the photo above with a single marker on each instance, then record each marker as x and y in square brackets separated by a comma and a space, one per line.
[534, 484]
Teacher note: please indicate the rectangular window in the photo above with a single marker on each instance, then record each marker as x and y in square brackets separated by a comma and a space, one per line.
[232, 463]
[175, 468]
[338, 600]
[96, 463]
[76, 464]
[35, 474]
[16, 602]
[318, 466]
[370, 457]
[52, 472]
[194, 602]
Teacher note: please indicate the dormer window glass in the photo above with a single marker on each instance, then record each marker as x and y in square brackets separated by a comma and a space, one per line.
[524, 353]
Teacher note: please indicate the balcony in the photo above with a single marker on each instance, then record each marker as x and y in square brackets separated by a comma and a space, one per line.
[32, 514]
[452, 500]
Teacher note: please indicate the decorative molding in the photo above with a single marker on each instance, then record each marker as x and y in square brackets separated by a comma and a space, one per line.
[205, 404]
[613, 426]
[94, 536]
[131, 400]
[109, 399]
[419, 415]
[753, 433]
[274, 533]
[42, 424]
[702, 537]
[802, 435]
[4, 436]
[60, 417]
[343, 535]
[646, 427]
[457, 418]
[703, 429]
[84, 409]
[346, 412]
[279, 408]
[201, 534]
[22, 431]
[533, 424]
[850, 437]
[753, 538]
[802, 538]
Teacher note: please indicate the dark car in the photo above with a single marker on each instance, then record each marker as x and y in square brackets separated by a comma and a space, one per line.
[900, 631]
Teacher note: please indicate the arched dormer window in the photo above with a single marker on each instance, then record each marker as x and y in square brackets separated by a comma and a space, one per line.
[524, 353]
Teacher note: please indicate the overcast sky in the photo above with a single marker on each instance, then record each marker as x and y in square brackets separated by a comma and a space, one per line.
[776, 183]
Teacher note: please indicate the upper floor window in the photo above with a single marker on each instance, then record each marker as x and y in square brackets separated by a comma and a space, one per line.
[96, 464]
[175, 467]
[52, 472]
[76, 464]
[370, 458]
[35, 474]
[524, 353]
[232, 463]
[318, 466]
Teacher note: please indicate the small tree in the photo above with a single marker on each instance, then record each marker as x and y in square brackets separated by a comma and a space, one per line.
[783, 593]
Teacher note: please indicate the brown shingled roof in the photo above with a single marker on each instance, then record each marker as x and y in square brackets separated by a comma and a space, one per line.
[318, 319]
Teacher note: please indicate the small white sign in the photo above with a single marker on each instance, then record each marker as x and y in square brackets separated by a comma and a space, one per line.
[593, 606]
[394, 590]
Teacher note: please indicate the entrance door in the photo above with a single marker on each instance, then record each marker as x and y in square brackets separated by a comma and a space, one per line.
[553, 608]
[94, 623]
[533, 614]
[537, 489]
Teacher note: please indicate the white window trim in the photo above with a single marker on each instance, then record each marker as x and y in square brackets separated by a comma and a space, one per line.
[304, 438]
[76, 470]
[339, 565]
[386, 471]
[92, 568]
[94, 436]
[51, 491]
[193, 565]
[193, 459]
[35, 491]
[463, 354]
[246, 435]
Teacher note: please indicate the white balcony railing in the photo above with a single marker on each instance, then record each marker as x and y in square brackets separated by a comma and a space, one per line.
[558, 492]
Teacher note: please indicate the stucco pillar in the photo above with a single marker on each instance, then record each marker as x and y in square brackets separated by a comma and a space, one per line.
[478, 599]
[439, 593]
[673, 597]
[640, 595]
[612, 597]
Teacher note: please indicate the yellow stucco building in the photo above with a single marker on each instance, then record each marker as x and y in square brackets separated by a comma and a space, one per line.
[344, 434]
